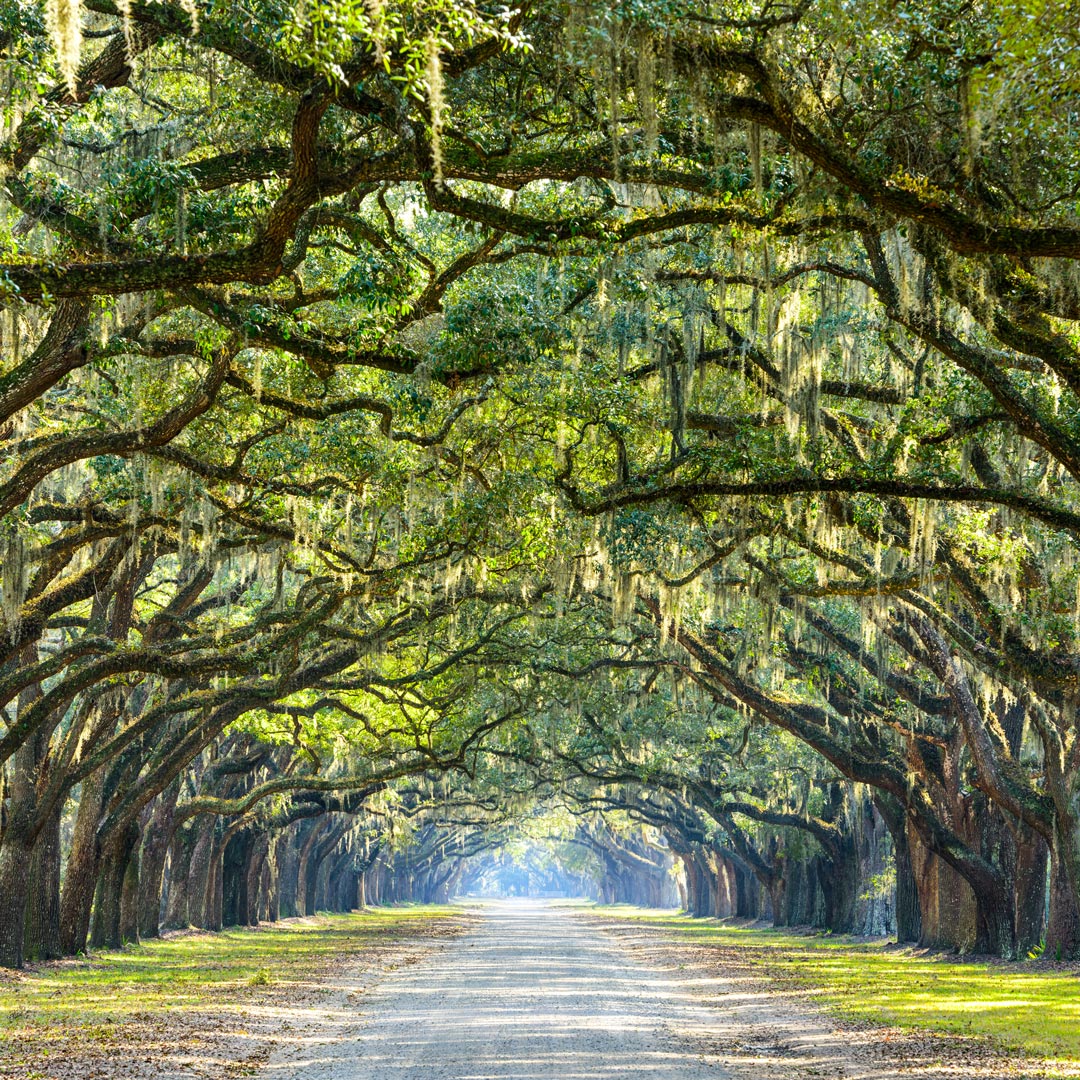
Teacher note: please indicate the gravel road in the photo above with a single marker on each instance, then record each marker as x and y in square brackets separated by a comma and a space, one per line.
[538, 992]
[531, 993]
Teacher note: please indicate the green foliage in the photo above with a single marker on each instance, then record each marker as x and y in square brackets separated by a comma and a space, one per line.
[618, 390]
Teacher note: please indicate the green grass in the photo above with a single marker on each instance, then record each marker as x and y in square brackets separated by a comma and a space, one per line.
[150, 995]
[1034, 1011]
[179, 972]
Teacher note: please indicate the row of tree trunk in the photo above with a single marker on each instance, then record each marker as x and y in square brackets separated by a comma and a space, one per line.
[875, 876]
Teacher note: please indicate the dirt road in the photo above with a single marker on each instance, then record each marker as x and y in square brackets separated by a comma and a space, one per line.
[531, 992]
[538, 992]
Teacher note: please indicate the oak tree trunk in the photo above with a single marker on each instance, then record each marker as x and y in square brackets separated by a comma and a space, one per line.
[107, 931]
[155, 850]
[42, 932]
[82, 868]
[15, 854]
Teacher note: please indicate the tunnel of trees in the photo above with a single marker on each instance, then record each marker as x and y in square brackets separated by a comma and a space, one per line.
[623, 448]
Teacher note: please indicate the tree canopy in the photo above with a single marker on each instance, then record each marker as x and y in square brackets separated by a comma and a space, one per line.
[651, 428]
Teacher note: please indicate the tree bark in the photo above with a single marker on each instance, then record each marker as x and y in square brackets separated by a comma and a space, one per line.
[177, 891]
[1063, 926]
[42, 932]
[235, 859]
[839, 880]
[152, 858]
[289, 871]
[15, 855]
[215, 897]
[305, 901]
[107, 931]
[1029, 884]
[82, 868]
[946, 902]
[17, 841]
[908, 912]
[199, 876]
[129, 892]
[273, 875]
[256, 876]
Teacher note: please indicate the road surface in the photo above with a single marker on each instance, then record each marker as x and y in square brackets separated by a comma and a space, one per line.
[531, 993]
[536, 992]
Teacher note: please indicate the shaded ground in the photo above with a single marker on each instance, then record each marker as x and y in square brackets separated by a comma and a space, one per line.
[771, 1020]
[1032, 1006]
[510, 991]
[211, 1006]
[529, 992]
[536, 992]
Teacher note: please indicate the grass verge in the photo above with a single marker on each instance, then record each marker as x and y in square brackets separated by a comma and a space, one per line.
[198, 995]
[1035, 1010]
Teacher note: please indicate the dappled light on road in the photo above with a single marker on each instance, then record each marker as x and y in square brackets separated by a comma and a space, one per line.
[537, 992]
[531, 994]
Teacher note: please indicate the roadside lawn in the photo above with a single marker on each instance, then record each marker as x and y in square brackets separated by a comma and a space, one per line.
[208, 999]
[1031, 1006]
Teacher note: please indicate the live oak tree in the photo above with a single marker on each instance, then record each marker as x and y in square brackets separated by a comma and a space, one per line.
[386, 384]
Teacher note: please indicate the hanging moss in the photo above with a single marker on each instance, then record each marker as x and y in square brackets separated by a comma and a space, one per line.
[646, 90]
[436, 102]
[63, 18]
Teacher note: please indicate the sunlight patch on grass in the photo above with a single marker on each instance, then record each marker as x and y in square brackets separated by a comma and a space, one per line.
[191, 970]
[1037, 1012]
